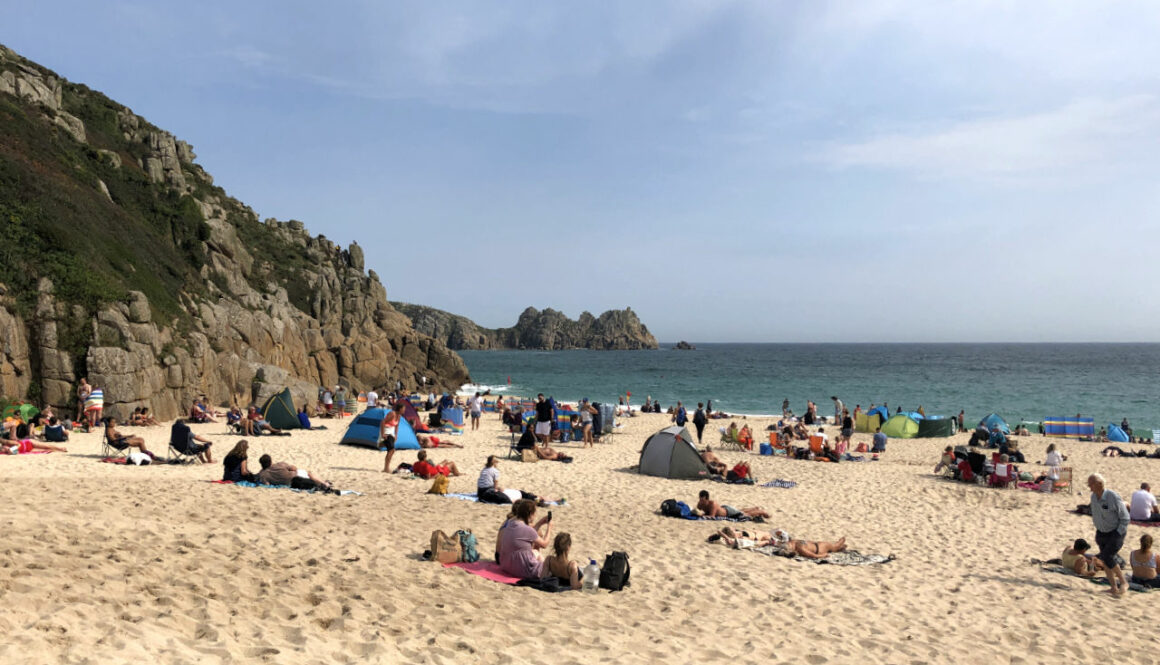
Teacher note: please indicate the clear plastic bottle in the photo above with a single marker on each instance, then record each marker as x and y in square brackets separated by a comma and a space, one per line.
[591, 581]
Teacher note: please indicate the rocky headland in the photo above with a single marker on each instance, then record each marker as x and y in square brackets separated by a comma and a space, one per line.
[618, 329]
[120, 260]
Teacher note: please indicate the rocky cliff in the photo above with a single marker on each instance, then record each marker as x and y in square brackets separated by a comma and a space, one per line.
[547, 329]
[120, 260]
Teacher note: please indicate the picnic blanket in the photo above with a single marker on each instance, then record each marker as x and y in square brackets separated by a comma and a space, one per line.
[1056, 566]
[488, 570]
[847, 558]
[464, 496]
[246, 483]
[743, 518]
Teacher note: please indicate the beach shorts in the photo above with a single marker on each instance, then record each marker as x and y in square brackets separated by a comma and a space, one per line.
[476, 414]
[732, 513]
[847, 433]
[387, 443]
[544, 428]
[1110, 544]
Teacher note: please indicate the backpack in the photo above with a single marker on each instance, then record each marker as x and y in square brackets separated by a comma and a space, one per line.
[440, 485]
[615, 572]
[468, 544]
[669, 508]
[445, 548]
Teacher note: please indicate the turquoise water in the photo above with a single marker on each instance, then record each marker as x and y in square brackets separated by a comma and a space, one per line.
[1017, 381]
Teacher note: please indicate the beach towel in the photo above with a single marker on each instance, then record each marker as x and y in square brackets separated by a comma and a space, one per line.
[1054, 566]
[246, 483]
[743, 518]
[847, 558]
[488, 570]
[464, 496]
[783, 484]
[95, 401]
[31, 452]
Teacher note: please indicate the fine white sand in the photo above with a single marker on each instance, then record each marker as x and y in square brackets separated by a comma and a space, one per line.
[109, 564]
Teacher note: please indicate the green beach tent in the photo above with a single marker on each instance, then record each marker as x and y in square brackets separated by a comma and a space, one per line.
[936, 426]
[24, 412]
[279, 411]
[900, 426]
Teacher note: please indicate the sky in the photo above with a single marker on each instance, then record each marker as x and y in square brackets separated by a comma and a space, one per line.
[764, 171]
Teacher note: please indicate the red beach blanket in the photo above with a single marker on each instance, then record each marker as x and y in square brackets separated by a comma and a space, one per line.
[485, 569]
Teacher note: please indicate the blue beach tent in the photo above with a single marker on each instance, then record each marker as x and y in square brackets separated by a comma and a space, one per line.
[364, 431]
[1116, 434]
[992, 421]
[881, 411]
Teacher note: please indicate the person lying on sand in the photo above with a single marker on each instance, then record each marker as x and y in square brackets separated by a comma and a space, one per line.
[283, 473]
[25, 446]
[808, 549]
[425, 469]
[716, 466]
[713, 509]
[435, 442]
[546, 452]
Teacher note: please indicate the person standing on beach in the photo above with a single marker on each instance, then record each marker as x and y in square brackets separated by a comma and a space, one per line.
[1111, 519]
[699, 421]
[838, 409]
[372, 399]
[475, 406]
[681, 416]
[83, 391]
[785, 408]
[544, 417]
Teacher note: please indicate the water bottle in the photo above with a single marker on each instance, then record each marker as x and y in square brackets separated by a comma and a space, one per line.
[591, 581]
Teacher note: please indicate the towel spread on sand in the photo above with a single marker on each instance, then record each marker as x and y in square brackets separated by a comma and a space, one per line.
[246, 483]
[847, 558]
[31, 452]
[1051, 566]
[464, 496]
[778, 482]
[488, 570]
[743, 518]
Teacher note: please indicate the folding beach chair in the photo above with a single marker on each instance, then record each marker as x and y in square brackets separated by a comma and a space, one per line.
[728, 441]
[1065, 481]
[180, 442]
[111, 449]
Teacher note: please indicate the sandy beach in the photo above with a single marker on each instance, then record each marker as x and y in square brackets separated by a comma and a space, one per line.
[106, 563]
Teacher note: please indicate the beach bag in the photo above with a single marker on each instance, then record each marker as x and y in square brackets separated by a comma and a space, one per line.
[1026, 476]
[445, 548]
[528, 456]
[670, 508]
[439, 486]
[766, 449]
[468, 545]
[138, 458]
[615, 572]
[861, 448]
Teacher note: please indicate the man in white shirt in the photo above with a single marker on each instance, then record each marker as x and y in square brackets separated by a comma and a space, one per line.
[1144, 507]
[475, 406]
[372, 399]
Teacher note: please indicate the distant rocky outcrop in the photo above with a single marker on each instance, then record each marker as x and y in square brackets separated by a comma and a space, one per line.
[546, 330]
[120, 260]
[684, 346]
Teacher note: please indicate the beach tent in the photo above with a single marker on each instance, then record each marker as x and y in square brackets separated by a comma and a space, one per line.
[936, 426]
[670, 454]
[915, 415]
[881, 411]
[867, 422]
[1117, 435]
[279, 411]
[1070, 428]
[24, 412]
[364, 431]
[992, 421]
[411, 415]
[900, 426]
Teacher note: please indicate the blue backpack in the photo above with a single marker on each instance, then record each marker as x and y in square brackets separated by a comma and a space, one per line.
[468, 545]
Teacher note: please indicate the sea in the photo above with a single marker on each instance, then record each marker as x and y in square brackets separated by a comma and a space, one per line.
[1020, 382]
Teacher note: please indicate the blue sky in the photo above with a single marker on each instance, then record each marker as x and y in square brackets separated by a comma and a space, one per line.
[734, 171]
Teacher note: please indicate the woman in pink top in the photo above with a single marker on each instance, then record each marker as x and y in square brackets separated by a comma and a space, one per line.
[519, 541]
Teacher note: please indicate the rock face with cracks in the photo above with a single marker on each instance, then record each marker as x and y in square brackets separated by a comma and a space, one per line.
[137, 272]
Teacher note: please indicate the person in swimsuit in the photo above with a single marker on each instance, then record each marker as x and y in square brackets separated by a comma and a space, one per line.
[1143, 563]
[117, 439]
[716, 466]
[388, 430]
[25, 446]
[1077, 560]
[808, 549]
[560, 566]
[586, 413]
[713, 509]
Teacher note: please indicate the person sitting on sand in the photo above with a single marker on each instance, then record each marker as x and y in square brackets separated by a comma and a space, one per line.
[778, 538]
[519, 541]
[716, 466]
[199, 414]
[713, 509]
[147, 418]
[258, 424]
[1014, 454]
[55, 432]
[425, 469]
[1142, 507]
[1143, 563]
[1077, 559]
[948, 460]
[234, 464]
[284, 473]
[565, 570]
[121, 441]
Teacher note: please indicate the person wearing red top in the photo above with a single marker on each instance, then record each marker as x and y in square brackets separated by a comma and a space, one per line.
[425, 469]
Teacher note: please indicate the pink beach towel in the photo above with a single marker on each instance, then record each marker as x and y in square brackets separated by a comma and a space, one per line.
[485, 569]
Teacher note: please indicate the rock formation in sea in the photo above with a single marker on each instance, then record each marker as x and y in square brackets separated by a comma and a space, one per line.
[120, 260]
[535, 329]
[684, 346]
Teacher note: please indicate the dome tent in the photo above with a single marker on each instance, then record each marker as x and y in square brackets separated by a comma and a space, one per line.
[364, 431]
[279, 411]
[994, 420]
[1116, 434]
[936, 426]
[670, 454]
[900, 426]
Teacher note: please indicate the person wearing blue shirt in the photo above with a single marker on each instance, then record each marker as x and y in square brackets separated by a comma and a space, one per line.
[879, 442]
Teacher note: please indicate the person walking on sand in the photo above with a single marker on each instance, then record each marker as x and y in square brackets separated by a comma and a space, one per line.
[699, 421]
[681, 416]
[838, 408]
[475, 406]
[1111, 519]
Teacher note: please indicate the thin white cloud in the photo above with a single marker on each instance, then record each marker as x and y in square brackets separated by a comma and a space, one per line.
[1087, 134]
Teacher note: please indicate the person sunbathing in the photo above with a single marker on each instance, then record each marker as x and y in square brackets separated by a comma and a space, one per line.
[809, 549]
[25, 446]
[284, 473]
[199, 414]
[259, 425]
[426, 441]
[1143, 563]
[546, 452]
[120, 441]
[716, 466]
[712, 508]
[1077, 559]
[147, 418]
[425, 469]
[560, 566]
